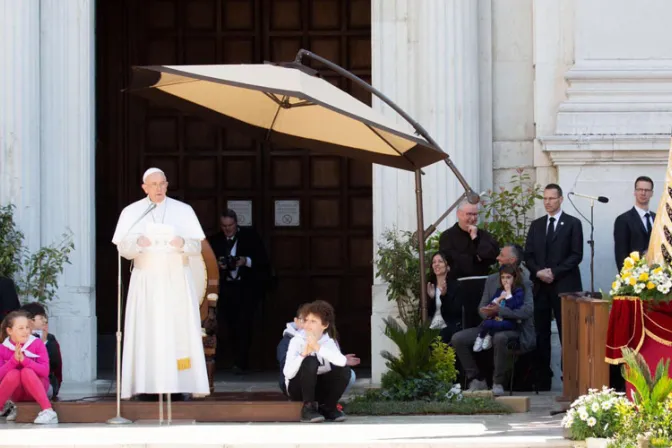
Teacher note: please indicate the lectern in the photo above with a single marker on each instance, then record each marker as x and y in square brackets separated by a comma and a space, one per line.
[584, 332]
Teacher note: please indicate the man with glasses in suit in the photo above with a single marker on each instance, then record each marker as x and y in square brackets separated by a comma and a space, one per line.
[632, 229]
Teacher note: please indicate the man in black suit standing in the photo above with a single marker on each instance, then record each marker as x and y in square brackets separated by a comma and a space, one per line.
[553, 252]
[632, 229]
[243, 272]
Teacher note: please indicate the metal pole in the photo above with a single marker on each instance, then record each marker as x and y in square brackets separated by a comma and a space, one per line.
[471, 194]
[118, 419]
[421, 246]
[592, 250]
[432, 228]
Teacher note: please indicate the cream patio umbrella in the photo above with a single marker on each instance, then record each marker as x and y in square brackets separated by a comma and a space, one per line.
[286, 105]
[290, 104]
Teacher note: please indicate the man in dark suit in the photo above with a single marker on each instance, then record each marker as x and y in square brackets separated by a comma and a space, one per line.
[632, 229]
[244, 273]
[463, 341]
[553, 252]
[9, 299]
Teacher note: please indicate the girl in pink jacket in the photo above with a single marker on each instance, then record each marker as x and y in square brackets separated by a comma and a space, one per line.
[24, 367]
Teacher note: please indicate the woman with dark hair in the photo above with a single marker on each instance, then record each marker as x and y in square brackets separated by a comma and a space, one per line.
[444, 301]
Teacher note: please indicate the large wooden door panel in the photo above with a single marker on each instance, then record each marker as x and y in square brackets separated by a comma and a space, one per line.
[328, 255]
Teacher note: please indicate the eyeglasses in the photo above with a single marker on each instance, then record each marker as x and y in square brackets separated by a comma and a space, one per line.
[643, 190]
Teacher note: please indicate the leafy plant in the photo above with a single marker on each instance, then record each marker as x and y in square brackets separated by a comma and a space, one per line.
[399, 266]
[35, 274]
[413, 343]
[649, 392]
[442, 360]
[506, 212]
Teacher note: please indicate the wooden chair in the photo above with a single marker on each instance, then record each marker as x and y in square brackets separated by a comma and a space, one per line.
[205, 270]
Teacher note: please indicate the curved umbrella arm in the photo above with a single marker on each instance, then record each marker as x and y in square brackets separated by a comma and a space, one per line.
[471, 195]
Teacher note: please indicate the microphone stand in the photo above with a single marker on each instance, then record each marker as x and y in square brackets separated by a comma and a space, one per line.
[591, 243]
[118, 419]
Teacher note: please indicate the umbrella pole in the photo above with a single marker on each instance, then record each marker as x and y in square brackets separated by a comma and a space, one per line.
[421, 245]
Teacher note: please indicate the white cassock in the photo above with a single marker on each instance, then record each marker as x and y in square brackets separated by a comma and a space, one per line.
[163, 349]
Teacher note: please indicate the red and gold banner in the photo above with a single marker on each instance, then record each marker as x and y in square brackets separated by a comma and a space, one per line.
[630, 320]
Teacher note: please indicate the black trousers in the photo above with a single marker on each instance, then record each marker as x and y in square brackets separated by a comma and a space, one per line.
[546, 305]
[326, 389]
[237, 307]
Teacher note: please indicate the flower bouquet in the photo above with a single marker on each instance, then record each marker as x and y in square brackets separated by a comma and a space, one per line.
[637, 279]
[599, 414]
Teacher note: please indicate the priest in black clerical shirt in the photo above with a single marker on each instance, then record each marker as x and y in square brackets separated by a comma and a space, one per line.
[243, 276]
[473, 251]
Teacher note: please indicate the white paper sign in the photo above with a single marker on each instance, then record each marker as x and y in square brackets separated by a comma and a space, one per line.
[244, 211]
[287, 213]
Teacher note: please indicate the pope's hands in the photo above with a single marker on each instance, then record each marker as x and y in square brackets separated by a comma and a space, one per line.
[177, 242]
[143, 241]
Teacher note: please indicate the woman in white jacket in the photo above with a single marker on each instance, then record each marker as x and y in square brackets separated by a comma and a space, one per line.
[315, 369]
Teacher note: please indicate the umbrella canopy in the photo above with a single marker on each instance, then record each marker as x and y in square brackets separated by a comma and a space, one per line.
[287, 105]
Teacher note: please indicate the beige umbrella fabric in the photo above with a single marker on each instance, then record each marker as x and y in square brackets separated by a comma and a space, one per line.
[286, 105]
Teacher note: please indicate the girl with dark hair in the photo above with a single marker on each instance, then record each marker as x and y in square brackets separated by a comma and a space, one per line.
[24, 367]
[510, 294]
[444, 304]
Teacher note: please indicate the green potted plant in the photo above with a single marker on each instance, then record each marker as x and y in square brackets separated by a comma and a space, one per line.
[35, 274]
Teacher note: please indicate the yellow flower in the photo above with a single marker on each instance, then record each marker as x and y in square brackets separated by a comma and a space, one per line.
[643, 277]
[625, 275]
[658, 270]
[632, 281]
[650, 285]
[629, 263]
[634, 256]
[615, 286]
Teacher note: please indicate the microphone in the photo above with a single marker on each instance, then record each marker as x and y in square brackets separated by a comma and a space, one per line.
[151, 207]
[601, 199]
[473, 197]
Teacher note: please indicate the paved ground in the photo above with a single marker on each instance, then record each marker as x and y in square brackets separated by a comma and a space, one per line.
[532, 429]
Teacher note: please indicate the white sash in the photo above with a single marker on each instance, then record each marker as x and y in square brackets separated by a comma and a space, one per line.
[24, 348]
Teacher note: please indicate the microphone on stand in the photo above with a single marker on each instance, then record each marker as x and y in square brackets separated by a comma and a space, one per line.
[118, 419]
[602, 199]
[591, 241]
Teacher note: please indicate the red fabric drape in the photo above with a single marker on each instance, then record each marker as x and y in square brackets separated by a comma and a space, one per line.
[630, 320]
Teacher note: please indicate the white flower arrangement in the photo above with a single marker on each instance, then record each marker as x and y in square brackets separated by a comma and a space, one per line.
[649, 283]
[596, 414]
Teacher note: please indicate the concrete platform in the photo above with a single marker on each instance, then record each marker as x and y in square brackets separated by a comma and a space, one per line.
[416, 431]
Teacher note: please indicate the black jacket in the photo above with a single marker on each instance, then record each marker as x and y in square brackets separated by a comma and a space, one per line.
[250, 245]
[630, 235]
[451, 303]
[565, 255]
[9, 299]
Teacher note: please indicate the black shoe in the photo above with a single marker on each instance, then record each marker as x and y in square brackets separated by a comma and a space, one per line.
[332, 415]
[309, 414]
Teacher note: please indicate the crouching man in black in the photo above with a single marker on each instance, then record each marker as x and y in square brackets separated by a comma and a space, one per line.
[315, 369]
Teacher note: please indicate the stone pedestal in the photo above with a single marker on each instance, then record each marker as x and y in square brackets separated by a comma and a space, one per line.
[20, 114]
[426, 59]
[67, 62]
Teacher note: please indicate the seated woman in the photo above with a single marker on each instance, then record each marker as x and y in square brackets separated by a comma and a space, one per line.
[315, 369]
[24, 367]
[444, 304]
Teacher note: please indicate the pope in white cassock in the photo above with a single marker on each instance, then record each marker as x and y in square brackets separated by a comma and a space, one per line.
[163, 349]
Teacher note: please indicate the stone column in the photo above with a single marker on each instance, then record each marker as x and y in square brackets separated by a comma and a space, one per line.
[68, 142]
[20, 114]
[425, 57]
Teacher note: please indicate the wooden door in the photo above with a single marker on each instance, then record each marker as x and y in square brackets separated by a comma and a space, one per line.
[328, 254]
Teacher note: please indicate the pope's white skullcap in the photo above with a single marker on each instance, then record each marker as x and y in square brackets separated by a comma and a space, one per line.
[151, 171]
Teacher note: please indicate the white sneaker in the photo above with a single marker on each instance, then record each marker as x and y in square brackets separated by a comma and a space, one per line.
[478, 344]
[487, 342]
[476, 385]
[497, 390]
[46, 417]
[11, 415]
[6, 408]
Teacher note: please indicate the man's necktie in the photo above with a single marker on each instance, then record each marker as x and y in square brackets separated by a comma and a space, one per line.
[647, 217]
[550, 230]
